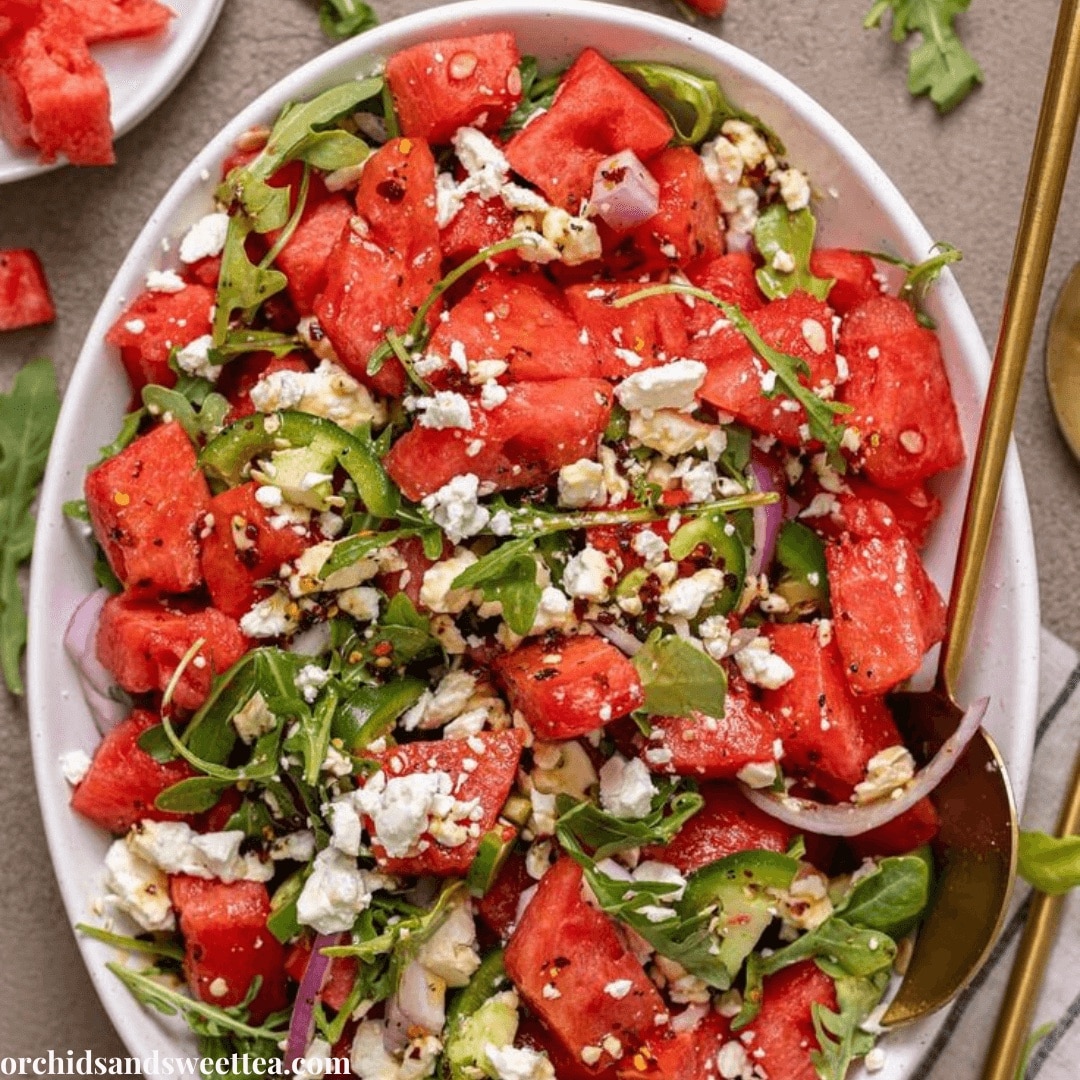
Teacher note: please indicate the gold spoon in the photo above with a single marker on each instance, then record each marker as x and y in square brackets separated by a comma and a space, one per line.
[977, 863]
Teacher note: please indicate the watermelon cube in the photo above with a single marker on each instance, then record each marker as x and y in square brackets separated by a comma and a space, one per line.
[498, 908]
[153, 325]
[678, 1055]
[563, 942]
[899, 391]
[120, 20]
[866, 511]
[240, 377]
[477, 225]
[915, 827]
[440, 86]
[227, 945]
[597, 112]
[570, 687]
[887, 611]
[124, 780]
[147, 505]
[854, 277]
[24, 292]
[142, 643]
[488, 782]
[243, 550]
[729, 277]
[303, 259]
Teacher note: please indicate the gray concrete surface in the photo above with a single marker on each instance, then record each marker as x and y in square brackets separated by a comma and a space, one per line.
[964, 175]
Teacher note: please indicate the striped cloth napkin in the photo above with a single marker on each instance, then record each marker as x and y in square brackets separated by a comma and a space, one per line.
[958, 1050]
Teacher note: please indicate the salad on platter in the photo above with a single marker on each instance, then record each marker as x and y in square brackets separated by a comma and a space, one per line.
[504, 565]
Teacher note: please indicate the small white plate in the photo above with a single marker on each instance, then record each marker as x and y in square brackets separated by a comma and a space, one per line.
[141, 75]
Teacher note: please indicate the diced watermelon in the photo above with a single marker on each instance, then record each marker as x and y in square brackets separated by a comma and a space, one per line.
[153, 324]
[533, 1035]
[917, 826]
[638, 336]
[24, 292]
[147, 505]
[828, 733]
[563, 942]
[567, 688]
[498, 908]
[124, 780]
[798, 325]
[867, 511]
[886, 611]
[142, 644]
[519, 318]
[853, 274]
[440, 86]
[509, 449]
[411, 550]
[597, 112]
[489, 783]
[686, 227]
[715, 749]
[54, 92]
[688, 1054]
[227, 945]
[729, 277]
[728, 823]
[119, 20]
[303, 259]
[339, 982]
[784, 1029]
[711, 9]
[239, 377]
[242, 549]
[477, 225]
[898, 388]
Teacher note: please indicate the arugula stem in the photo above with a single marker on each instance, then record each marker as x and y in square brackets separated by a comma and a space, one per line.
[290, 226]
[122, 941]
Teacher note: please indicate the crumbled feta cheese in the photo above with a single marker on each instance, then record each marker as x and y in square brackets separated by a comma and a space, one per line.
[138, 888]
[75, 764]
[445, 409]
[670, 433]
[698, 478]
[626, 788]
[205, 239]
[451, 953]
[581, 484]
[294, 847]
[732, 1062]
[336, 892]
[361, 602]
[194, 358]
[588, 575]
[685, 597]
[519, 1063]
[276, 616]
[887, 774]
[715, 635]
[450, 699]
[761, 666]
[650, 546]
[749, 142]
[254, 719]
[400, 807]
[555, 612]
[310, 679]
[328, 391]
[618, 989]
[671, 386]
[492, 395]
[175, 848]
[456, 508]
[435, 591]
[794, 188]
[784, 262]
[875, 1060]
[759, 774]
[165, 281]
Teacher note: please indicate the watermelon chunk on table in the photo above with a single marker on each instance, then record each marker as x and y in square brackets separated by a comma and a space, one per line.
[439, 86]
[227, 945]
[124, 780]
[120, 20]
[147, 505]
[567, 687]
[24, 291]
[563, 942]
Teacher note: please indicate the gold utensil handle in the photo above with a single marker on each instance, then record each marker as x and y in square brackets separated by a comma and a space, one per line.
[1014, 1021]
[1046, 180]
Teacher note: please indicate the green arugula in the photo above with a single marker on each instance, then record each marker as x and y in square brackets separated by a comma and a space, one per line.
[242, 286]
[537, 93]
[129, 431]
[201, 419]
[1032, 1042]
[507, 575]
[311, 738]
[892, 898]
[779, 230]
[804, 582]
[1050, 864]
[679, 679]
[604, 834]
[695, 105]
[168, 950]
[822, 416]
[940, 67]
[919, 278]
[402, 634]
[341, 19]
[841, 1038]
[28, 415]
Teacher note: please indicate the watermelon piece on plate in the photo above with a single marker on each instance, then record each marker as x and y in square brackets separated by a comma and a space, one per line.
[120, 20]
[24, 291]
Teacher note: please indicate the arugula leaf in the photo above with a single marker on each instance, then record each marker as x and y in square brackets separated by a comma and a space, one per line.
[507, 574]
[839, 1034]
[920, 277]
[166, 949]
[804, 583]
[341, 19]
[679, 679]
[695, 104]
[129, 430]
[1033, 1041]
[605, 834]
[312, 736]
[28, 415]
[1050, 864]
[243, 341]
[940, 67]
[191, 796]
[242, 285]
[206, 421]
[892, 898]
[821, 415]
[778, 230]
[402, 634]
[537, 93]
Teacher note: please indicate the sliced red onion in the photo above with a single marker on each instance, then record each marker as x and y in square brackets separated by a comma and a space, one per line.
[846, 819]
[418, 1003]
[94, 678]
[624, 192]
[302, 1024]
[767, 521]
[622, 639]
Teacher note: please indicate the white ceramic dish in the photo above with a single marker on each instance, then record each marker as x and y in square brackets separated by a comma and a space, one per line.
[141, 75]
[861, 209]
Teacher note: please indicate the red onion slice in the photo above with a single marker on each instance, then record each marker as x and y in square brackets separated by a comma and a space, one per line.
[848, 820]
[622, 639]
[95, 680]
[302, 1024]
[624, 192]
[767, 521]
